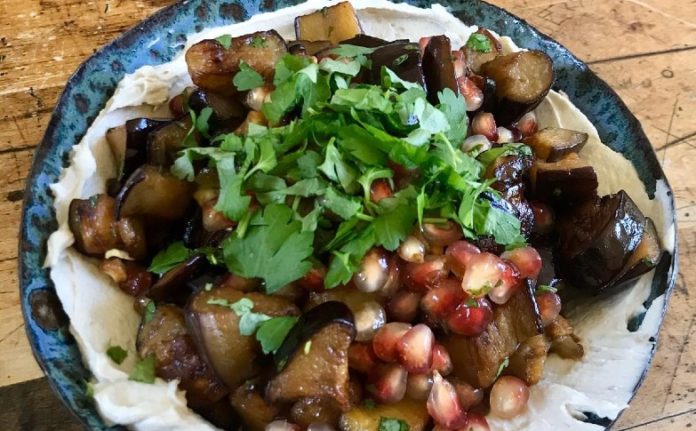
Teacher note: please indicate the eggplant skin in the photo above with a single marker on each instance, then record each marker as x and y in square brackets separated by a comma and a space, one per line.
[597, 240]
[92, 224]
[438, 67]
[402, 58]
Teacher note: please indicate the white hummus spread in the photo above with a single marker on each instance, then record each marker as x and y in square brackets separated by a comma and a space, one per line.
[101, 315]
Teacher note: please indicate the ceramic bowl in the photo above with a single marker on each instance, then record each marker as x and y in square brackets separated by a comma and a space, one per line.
[157, 40]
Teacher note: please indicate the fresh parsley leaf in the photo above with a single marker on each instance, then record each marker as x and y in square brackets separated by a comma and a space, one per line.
[272, 333]
[144, 371]
[479, 42]
[391, 79]
[247, 78]
[117, 354]
[202, 121]
[454, 107]
[342, 205]
[371, 175]
[392, 424]
[489, 156]
[347, 259]
[503, 365]
[544, 288]
[232, 201]
[398, 61]
[225, 40]
[395, 222]
[258, 42]
[273, 240]
[489, 220]
[170, 257]
[350, 68]
[337, 169]
[150, 309]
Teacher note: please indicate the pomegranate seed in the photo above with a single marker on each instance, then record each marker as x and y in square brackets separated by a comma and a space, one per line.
[526, 259]
[443, 404]
[361, 357]
[459, 60]
[458, 256]
[471, 318]
[386, 340]
[256, 97]
[418, 386]
[484, 124]
[469, 396]
[471, 92]
[441, 235]
[380, 189]
[281, 425]
[544, 218]
[368, 319]
[505, 135]
[516, 134]
[483, 272]
[507, 286]
[476, 422]
[415, 349]
[476, 144]
[527, 125]
[393, 283]
[420, 277]
[412, 250]
[313, 281]
[388, 383]
[442, 363]
[403, 307]
[373, 271]
[508, 397]
[549, 307]
[442, 300]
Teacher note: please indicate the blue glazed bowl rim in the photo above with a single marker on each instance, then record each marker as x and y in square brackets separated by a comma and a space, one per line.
[87, 415]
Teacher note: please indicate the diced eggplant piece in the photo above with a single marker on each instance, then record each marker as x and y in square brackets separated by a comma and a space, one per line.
[508, 170]
[477, 359]
[563, 340]
[646, 256]
[131, 231]
[247, 400]
[91, 222]
[152, 192]
[172, 286]
[306, 47]
[309, 411]
[438, 67]
[128, 143]
[165, 336]
[598, 239]
[522, 80]
[349, 295]
[527, 363]
[220, 414]
[215, 329]
[361, 418]
[333, 23]
[321, 370]
[132, 278]
[475, 59]
[164, 143]
[225, 109]
[514, 195]
[403, 58]
[565, 182]
[368, 41]
[212, 67]
[553, 143]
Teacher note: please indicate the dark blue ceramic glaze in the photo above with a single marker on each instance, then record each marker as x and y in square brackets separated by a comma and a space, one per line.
[158, 40]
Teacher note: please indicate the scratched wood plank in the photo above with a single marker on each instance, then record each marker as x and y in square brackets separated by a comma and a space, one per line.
[53, 37]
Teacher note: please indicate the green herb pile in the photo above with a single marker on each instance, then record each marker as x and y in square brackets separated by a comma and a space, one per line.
[312, 176]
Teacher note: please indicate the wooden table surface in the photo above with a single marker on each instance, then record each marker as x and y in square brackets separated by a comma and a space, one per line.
[645, 49]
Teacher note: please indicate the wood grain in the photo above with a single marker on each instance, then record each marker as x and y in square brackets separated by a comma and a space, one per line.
[645, 49]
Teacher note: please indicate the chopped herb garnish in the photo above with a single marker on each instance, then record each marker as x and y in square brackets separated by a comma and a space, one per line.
[272, 333]
[150, 309]
[479, 42]
[258, 42]
[89, 389]
[225, 40]
[247, 78]
[392, 424]
[400, 59]
[503, 366]
[170, 257]
[369, 403]
[544, 288]
[307, 347]
[117, 354]
[144, 371]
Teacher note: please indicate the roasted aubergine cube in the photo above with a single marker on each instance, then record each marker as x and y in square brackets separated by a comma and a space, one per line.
[564, 183]
[152, 192]
[403, 58]
[553, 143]
[438, 67]
[333, 23]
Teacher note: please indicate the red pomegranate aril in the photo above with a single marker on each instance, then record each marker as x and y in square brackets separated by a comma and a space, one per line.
[415, 349]
[526, 259]
[393, 283]
[281, 425]
[483, 123]
[471, 92]
[380, 189]
[412, 249]
[459, 255]
[361, 357]
[527, 125]
[420, 277]
[476, 422]
[386, 340]
[313, 281]
[469, 396]
[442, 300]
[544, 217]
[476, 144]
[507, 286]
[549, 307]
[471, 318]
[368, 319]
[443, 404]
[418, 386]
[505, 136]
[484, 271]
[373, 272]
[388, 383]
[509, 396]
[403, 307]
[459, 60]
[441, 234]
[442, 363]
